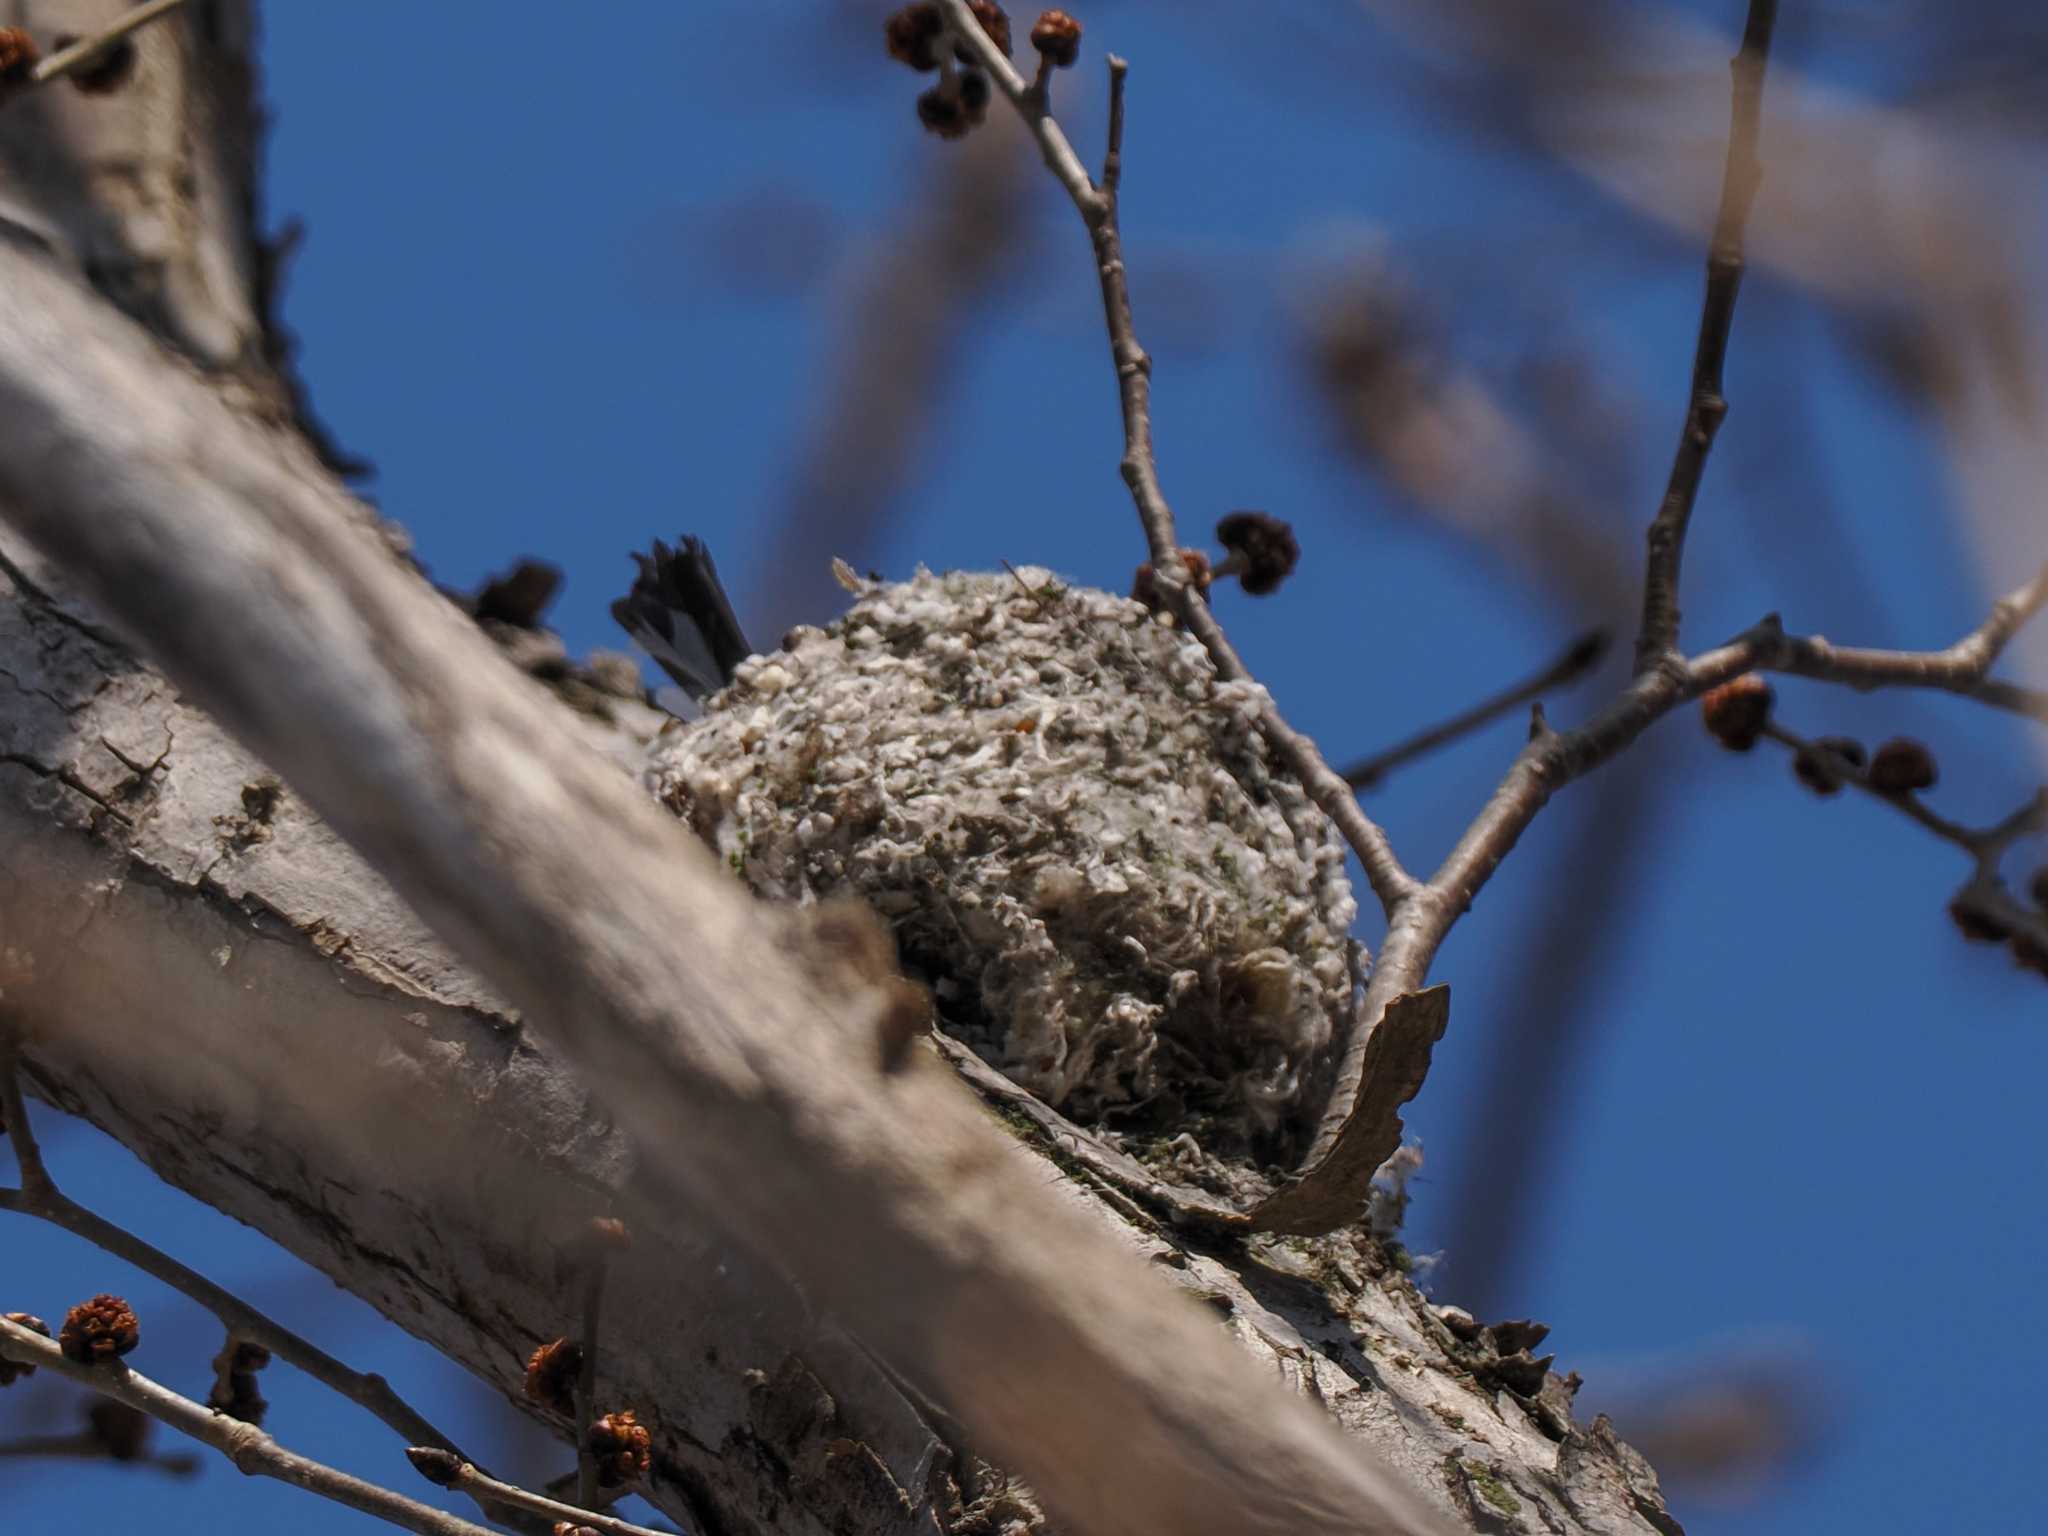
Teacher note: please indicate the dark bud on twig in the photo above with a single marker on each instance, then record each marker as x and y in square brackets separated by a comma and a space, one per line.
[974, 96]
[1263, 550]
[1902, 766]
[551, 1374]
[18, 56]
[994, 22]
[623, 1448]
[2038, 887]
[564, 1528]
[106, 71]
[1819, 764]
[12, 1371]
[1737, 712]
[101, 1329]
[1977, 924]
[941, 112]
[1058, 36]
[122, 1431]
[914, 34]
[437, 1466]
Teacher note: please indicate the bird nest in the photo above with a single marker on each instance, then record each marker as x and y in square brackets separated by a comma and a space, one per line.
[1075, 830]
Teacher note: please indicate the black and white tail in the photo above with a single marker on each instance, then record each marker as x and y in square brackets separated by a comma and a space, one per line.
[678, 613]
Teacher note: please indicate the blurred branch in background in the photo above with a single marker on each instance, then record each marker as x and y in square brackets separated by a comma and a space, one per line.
[901, 329]
[1725, 1422]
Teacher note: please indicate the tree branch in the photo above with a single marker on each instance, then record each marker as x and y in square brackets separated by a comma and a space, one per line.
[1707, 406]
[88, 50]
[254, 1453]
[1577, 658]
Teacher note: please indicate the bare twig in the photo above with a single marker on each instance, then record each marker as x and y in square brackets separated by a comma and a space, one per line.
[1582, 654]
[1961, 668]
[1097, 205]
[28, 1157]
[39, 1196]
[253, 1452]
[1983, 896]
[87, 50]
[439, 1467]
[1707, 406]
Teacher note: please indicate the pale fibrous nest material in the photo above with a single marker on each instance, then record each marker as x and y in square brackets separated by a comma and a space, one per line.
[1076, 832]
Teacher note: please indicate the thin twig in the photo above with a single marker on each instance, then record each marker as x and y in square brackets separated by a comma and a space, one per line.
[1984, 894]
[1576, 660]
[1960, 669]
[487, 1489]
[87, 49]
[1097, 205]
[1707, 406]
[253, 1452]
[28, 1157]
[39, 1196]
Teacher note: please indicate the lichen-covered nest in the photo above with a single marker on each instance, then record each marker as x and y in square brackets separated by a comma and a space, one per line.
[1075, 830]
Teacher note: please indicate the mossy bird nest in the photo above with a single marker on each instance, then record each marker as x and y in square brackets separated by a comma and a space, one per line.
[1075, 830]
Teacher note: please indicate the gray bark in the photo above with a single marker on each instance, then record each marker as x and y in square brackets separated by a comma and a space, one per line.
[209, 972]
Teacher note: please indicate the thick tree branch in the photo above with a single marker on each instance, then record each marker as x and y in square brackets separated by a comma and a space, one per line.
[741, 1058]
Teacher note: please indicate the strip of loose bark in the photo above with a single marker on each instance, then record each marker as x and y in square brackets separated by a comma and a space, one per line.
[743, 1067]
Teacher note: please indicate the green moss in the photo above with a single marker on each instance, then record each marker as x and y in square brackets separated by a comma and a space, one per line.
[1482, 1480]
[1450, 1416]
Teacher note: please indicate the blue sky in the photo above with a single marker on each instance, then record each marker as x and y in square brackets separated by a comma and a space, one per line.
[575, 285]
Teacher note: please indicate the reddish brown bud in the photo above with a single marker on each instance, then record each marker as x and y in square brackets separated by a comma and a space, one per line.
[101, 1329]
[122, 1431]
[1058, 36]
[551, 1374]
[1737, 712]
[623, 1448]
[913, 34]
[611, 1233]
[1263, 550]
[18, 55]
[1901, 766]
[1819, 764]
[564, 1528]
[106, 71]
[12, 1371]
